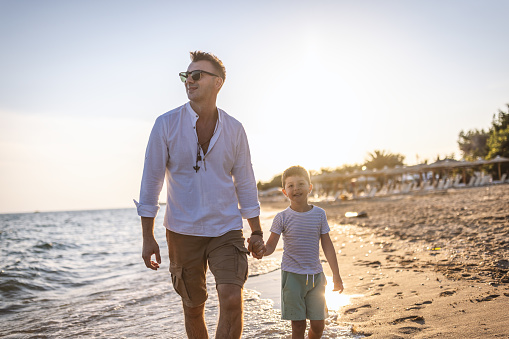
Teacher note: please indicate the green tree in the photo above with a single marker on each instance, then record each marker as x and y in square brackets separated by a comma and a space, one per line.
[275, 182]
[500, 122]
[488, 145]
[473, 144]
[498, 141]
[446, 157]
[381, 158]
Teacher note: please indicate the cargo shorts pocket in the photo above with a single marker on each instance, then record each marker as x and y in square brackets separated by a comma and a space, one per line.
[178, 282]
[241, 261]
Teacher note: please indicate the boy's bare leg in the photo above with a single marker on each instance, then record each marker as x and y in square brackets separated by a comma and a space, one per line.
[230, 311]
[316, 329]
[298, 329]
[195, 322]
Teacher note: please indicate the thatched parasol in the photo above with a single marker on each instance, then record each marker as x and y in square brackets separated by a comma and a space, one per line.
[498, 160]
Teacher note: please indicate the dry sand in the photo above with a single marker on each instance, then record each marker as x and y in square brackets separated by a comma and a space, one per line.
[428, 265]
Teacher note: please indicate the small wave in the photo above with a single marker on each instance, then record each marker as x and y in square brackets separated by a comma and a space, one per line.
[44, 245]
[45, 225]
[11, 308]
[21, 288]
[96, 254]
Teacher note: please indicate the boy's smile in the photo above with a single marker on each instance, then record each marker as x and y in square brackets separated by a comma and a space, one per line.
[297, 189]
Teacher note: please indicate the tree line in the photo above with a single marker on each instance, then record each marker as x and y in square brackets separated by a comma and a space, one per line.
[473, 144]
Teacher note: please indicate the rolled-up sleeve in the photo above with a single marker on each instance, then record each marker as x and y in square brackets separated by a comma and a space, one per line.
[156, 158]
[244, 179]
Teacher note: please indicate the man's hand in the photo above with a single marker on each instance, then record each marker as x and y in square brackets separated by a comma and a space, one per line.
[256, 246]
[151, 247]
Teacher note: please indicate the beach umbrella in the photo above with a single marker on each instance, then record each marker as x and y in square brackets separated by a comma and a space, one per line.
[446, 164]
[441, 165]
[396, 170]
[364, 179]
[480, 161]
[498, 160]
[416, 168]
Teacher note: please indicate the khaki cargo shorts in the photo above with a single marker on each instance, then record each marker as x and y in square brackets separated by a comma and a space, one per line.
[190, 256]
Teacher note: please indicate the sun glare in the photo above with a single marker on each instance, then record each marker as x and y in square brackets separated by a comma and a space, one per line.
[337, 300]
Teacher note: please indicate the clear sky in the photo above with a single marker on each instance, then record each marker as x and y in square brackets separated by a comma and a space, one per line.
[315, 83]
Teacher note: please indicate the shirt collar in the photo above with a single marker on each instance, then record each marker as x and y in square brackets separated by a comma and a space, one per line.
[195, 115]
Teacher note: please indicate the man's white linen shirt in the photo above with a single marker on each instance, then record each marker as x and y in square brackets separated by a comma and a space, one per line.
[211, 201]
[301, 239]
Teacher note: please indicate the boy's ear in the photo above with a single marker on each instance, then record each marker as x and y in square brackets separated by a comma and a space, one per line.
[284, 192]
[310, 187]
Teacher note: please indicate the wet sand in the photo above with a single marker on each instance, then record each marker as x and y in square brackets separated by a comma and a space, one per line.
[429, 265]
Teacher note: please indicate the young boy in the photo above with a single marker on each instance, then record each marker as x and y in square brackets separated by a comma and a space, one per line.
[302, 279]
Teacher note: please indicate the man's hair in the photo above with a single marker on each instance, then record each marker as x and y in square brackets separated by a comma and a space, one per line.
[295, 171]
[218, 64]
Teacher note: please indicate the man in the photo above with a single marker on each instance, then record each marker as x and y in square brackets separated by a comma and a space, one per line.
[204, 155]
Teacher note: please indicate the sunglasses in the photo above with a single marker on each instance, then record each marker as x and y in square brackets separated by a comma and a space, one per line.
[195, 75]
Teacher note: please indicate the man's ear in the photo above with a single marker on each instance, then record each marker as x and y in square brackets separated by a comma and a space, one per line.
[219, 83]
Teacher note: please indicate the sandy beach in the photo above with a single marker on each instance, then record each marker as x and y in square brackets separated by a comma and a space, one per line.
[429, 265]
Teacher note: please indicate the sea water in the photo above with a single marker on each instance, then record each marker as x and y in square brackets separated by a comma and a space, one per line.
[80, 274]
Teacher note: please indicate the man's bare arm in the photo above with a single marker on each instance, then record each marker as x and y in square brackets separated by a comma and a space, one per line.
[150, 246]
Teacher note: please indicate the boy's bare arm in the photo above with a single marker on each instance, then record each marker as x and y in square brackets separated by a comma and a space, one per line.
[271, 244]
[330, 255]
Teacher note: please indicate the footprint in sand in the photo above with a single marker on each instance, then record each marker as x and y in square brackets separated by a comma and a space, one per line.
[447, 293]
[419, 306]
[417, 318]
[409, 330]
[488, 298]
[355, 309]
[413, 308]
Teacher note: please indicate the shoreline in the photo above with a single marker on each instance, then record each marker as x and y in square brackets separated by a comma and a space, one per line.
[433, 265]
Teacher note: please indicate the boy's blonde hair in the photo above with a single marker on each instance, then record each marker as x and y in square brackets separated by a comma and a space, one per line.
[295, 170]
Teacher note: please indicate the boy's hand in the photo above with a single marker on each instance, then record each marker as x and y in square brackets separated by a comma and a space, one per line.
[256, 246]
[338, 284]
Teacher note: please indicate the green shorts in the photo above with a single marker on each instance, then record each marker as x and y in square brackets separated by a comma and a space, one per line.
[302, 299]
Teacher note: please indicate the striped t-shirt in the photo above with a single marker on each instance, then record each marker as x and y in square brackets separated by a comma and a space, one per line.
[301, 236]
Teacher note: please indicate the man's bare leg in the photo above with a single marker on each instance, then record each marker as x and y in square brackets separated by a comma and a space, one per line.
[195, 322]
[230, 311]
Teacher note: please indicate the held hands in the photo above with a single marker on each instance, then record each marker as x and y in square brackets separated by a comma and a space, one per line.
[151, 247]
[256, 246]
